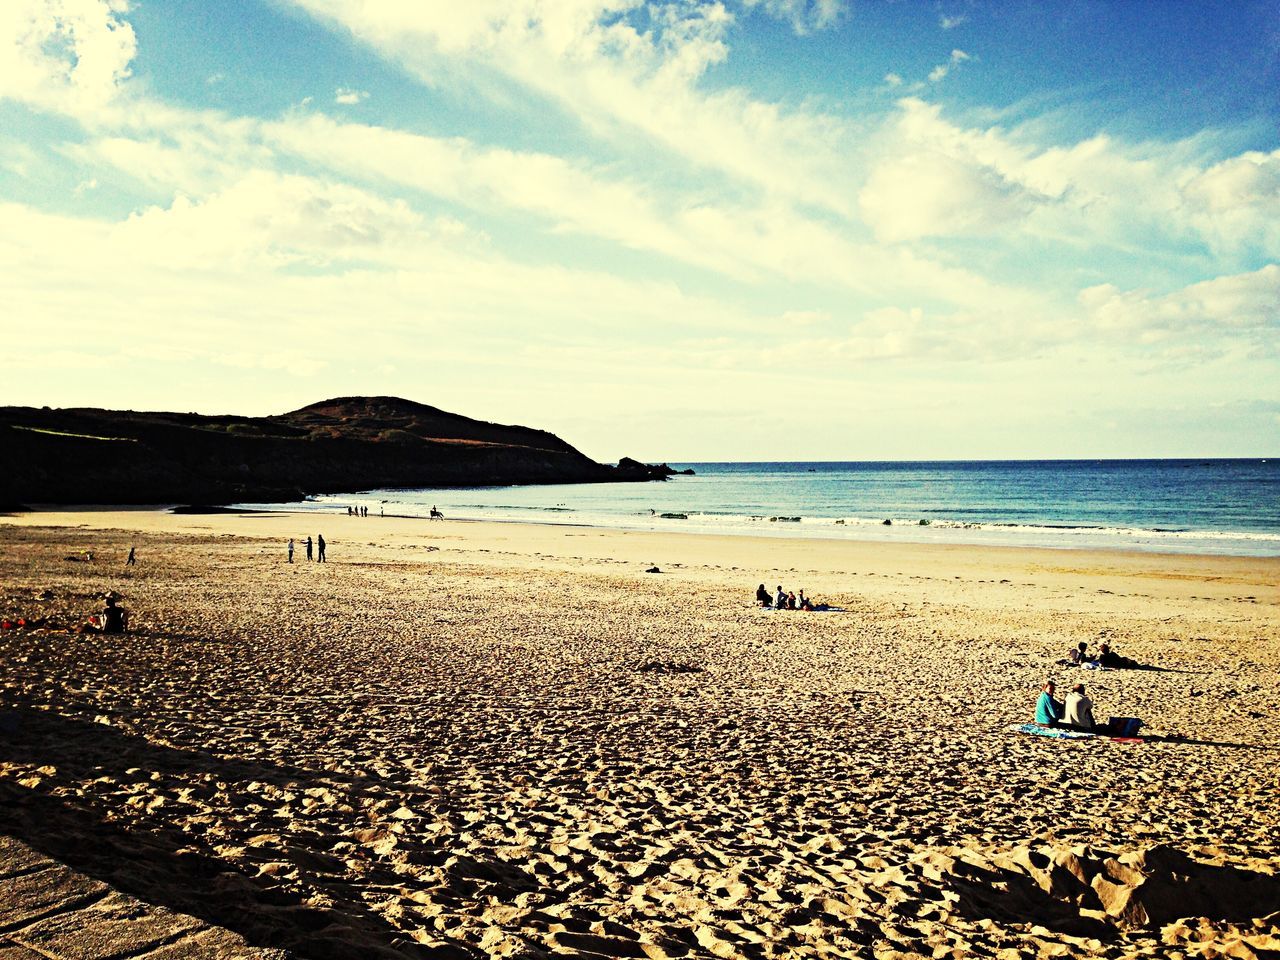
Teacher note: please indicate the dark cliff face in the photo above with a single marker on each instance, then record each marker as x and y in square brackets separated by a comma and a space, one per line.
[341, 445]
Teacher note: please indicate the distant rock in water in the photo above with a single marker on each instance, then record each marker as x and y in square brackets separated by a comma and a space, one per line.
[629, 469]
[335, 446]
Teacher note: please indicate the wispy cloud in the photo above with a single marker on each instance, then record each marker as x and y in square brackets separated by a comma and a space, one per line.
[941, 71]
[349, 97]
[804, 16]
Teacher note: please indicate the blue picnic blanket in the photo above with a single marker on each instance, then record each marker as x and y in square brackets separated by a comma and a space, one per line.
[1118, 728]
[1060, 733]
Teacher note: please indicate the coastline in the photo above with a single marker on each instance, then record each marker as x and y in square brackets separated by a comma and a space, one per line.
[496, 738]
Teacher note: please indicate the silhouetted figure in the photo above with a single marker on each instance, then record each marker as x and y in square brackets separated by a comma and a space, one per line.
[132, 560]
[308, 545]
[113, 619]
[291, 549]
[1108, 658]
[320, 548]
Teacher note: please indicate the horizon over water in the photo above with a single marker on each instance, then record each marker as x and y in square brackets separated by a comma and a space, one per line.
[1210, 506]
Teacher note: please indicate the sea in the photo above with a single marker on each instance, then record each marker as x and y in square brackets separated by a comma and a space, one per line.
[1217, 506]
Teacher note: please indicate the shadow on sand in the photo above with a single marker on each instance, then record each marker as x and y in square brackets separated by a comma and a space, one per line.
[165, 866]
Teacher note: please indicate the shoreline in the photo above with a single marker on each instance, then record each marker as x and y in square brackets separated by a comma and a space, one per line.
[1050, 536]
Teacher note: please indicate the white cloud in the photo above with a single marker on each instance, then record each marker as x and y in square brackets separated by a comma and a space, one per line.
[939, 73]
[1237, 202]
[1096, 193]
[804, 16]
[266, 219]
[1213, 316]
[933, 194]
[348, 97]
[66, 55]
[741, 241]
[950, 23]
[620, 79]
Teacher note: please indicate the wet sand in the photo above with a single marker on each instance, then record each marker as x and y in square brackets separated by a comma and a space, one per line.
[465, 739]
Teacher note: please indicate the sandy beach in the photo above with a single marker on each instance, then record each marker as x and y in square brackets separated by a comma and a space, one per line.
[466, 739]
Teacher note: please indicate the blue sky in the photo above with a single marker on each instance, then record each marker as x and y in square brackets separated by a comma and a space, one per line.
[749, 229]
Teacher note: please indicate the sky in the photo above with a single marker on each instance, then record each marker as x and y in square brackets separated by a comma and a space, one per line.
[682, 230]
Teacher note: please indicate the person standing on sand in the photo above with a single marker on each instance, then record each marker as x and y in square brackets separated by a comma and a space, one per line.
[291, 549]
[320, 548]
[1048, 710]
[308, 545]
[131, 560]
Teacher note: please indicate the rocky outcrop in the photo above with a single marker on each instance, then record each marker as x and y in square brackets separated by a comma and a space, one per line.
[629, 469]
[340, 445]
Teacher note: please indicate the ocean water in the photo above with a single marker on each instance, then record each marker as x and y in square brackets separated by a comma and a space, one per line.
[1186, 506]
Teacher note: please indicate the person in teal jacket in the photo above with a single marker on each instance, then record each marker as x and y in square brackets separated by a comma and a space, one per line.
[1048, 710]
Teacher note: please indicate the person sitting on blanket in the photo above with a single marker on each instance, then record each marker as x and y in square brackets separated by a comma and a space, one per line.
[1116, 662]
[1048, 710]
[1079, 709]
[762, 596]
[1080, 655]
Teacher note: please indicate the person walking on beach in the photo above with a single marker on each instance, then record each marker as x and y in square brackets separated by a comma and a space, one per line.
[319, 548]
[131, 560]
[291, 549]
[308, 545]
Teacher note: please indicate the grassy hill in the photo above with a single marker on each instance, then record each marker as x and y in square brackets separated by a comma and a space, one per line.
[340, 445]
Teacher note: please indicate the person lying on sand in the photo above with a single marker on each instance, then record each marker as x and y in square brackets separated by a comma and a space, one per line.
[1116, 662]
[1079, 709]
[113, 619]
[1048, 710]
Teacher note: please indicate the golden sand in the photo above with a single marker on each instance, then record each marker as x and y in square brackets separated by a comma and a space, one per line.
[467, 739]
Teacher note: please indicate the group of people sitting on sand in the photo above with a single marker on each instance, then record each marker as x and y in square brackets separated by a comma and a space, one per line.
[786, 601]
[1105, 657]
[1076, 713]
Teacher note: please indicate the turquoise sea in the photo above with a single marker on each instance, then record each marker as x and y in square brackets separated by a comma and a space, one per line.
[1184, 506]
